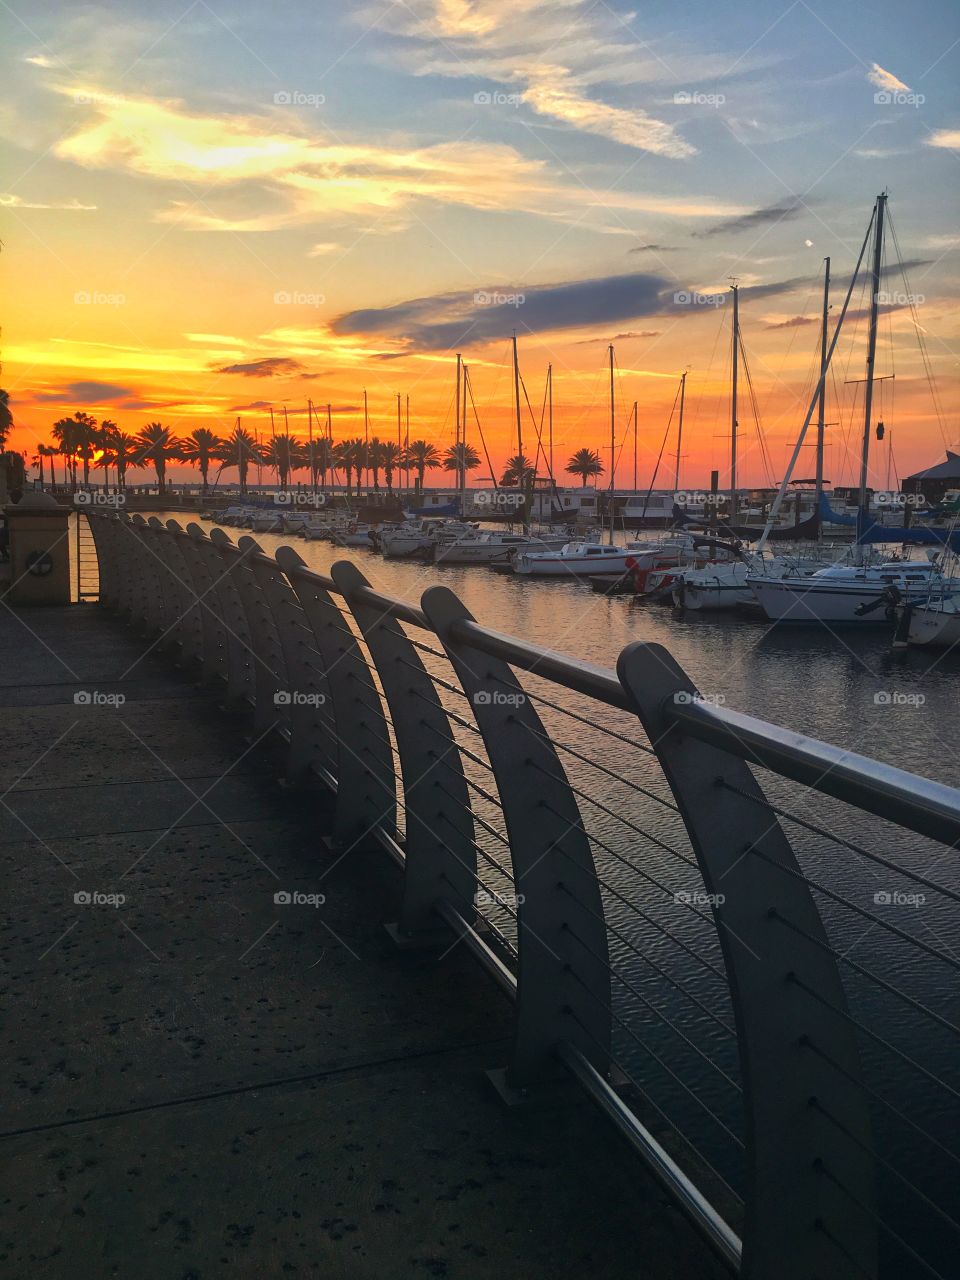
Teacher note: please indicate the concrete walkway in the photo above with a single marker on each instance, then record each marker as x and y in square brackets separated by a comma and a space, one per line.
[204, 1083]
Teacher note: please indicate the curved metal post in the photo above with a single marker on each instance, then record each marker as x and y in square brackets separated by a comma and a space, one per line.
[240, 658]
[178, 578]
[366, 782]
[146, 585]
[306, 697]
[103, 529]
[130, 554]
[440, 853]
[564, 973]
[203, 575]
[269, 668]
[795, 1155]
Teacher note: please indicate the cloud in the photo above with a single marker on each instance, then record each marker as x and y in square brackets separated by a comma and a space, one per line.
[621, 337]
[442, 321]
[653, 248]
[270, 367]
[886, 80]
[254, 404]
[551, 91]
[219, 339]
[948, 138]
[325, 247]
[785, 211]
[85, 393]
[795, 322]
[39, 60]
[17, 202]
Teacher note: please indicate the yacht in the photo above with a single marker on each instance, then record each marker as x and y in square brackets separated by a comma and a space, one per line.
[419, 537]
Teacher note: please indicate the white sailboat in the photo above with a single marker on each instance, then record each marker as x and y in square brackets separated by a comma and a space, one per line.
[852, 592]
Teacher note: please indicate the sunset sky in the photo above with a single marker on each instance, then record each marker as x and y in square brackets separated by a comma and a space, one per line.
[209, 209]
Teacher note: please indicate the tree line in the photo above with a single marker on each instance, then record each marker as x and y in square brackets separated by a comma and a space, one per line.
[83, 443]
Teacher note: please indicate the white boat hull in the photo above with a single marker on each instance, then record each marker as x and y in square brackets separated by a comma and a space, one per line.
[937, 628]
[807, 600]
[537, 565]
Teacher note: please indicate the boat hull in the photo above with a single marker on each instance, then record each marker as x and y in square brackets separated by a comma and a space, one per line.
[800, 600]
[933, 628]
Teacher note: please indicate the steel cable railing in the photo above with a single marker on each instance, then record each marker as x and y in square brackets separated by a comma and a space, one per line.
[562, 893]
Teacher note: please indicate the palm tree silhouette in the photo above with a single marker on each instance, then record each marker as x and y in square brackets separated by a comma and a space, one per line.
[201, 447]
[585, 463]
[391, 455]
[239, 450]
[519, 470]
[157, 444]
[285, 454]
[420, 456]
[461, 458]
[66, 432]
[6, 418]
[318, 456]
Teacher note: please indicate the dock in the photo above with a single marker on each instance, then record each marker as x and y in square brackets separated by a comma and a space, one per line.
[205, 1083]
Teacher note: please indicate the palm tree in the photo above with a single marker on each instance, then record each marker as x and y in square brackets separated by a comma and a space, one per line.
[420, 456]
[374, 453]
[123, 452]
[6, 418]
[104, 441]
[391, 455]
[318, 456]
[157, 444]
[461, 458]
[45, 451]
[285, 454]
[586, 464]
[518, 471]
[77, 438]
[343, 458]
[201, 447]
[88, 440]
[239, 450]
[66, 433]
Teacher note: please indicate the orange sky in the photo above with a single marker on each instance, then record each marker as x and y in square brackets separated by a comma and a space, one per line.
[206, 220]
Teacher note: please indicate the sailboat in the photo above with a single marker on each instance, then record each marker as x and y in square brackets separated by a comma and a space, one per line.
[852, 592]
[723, 583]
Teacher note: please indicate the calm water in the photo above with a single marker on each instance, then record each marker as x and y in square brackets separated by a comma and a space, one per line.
[818, 684]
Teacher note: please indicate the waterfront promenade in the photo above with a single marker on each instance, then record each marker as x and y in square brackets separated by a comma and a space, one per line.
[204, 1082]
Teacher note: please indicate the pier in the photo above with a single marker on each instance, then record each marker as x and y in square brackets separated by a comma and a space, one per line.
[340, 949]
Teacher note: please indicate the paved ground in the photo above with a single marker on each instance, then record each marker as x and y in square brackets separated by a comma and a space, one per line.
[203, 1083]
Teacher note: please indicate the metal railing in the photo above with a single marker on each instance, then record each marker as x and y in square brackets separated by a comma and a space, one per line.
[602, 843]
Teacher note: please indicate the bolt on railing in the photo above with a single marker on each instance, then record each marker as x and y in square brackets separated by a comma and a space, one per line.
[561, 892]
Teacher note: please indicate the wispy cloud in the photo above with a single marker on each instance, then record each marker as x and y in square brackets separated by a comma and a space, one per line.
[18, 202]
[441, 321]
[884, 79]
[270, 367]
[783, 211]
[948, 138]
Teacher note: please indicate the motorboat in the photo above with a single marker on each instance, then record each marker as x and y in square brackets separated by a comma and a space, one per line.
[419, 537]
[494, 548]
[356, 534]
[577, 558]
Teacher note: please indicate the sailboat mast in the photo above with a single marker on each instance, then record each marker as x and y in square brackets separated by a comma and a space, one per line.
[613, 442]
[312, 455]
[366, 440]
[683, 390]
[456, 445]
[516, 396]
[462, 460]
[822, 403]
[399, 439]
[733, 404]
[550, 413]
[871, 354]
[634, 446]
[406, 440]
